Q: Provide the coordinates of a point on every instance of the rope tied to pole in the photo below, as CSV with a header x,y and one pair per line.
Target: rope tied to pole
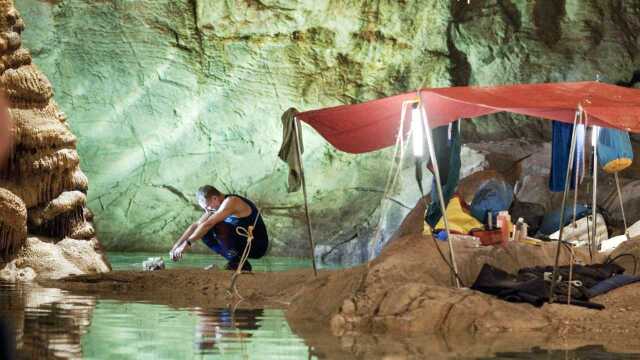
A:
x,y
248,233
567,180
571,260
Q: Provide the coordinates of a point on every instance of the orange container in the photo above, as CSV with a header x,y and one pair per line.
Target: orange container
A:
x,y
488,237
504,223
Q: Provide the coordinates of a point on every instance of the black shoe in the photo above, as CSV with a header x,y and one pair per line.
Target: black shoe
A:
x,y
233,265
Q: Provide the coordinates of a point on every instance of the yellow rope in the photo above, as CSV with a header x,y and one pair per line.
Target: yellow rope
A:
x,y
248,233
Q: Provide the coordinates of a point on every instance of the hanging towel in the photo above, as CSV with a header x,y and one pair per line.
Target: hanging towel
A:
x,y
614,150
447,152
288,151
560,146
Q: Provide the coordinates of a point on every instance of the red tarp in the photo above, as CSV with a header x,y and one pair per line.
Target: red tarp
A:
x,y
374,125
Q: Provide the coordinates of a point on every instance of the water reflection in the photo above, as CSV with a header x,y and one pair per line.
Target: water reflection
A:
x,y
225,326
44,322
594,352
50,323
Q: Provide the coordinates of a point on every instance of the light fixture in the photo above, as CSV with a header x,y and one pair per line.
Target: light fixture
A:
x,y
594,135
417,133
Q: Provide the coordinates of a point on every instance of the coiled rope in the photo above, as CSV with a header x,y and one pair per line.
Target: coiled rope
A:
x,y
248,233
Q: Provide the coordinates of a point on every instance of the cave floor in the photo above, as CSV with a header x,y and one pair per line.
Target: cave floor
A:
x,y
617,328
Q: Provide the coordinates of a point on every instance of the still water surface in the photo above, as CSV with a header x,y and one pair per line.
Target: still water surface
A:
x,y
54,324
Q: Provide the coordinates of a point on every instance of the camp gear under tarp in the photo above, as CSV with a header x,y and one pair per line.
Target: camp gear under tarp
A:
x,y
578,234
492,197
532,214
615,282
531,285
614,150
608,245
374,124
460,221
560,141
551,220
448,154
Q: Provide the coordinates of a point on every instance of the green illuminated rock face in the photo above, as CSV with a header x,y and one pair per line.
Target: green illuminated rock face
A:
x,y
168,95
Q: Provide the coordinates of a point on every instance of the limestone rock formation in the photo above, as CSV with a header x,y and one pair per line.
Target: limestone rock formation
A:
x,y
42,189
41,257
13,223
182,93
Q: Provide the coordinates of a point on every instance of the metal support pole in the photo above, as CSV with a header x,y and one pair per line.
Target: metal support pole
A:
x,y
304,191
593,245
567,180
624,218
575,182
443,206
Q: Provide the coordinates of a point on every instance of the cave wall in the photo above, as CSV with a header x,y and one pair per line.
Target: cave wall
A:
x,y
165,96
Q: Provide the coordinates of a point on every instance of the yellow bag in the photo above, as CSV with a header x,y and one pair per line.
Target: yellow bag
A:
x,y
459,220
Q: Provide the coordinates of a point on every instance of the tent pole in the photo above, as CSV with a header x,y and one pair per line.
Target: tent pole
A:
x,y
577,178
567,180
304,191
624,218
443,206
594,206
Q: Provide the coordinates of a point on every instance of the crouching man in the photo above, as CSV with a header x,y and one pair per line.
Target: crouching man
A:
x,y
223,228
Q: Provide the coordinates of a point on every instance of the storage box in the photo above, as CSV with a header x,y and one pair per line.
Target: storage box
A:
x,y
488,237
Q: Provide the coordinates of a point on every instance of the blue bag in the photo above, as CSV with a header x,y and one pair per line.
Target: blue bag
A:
x,y
614,150
551,220
494,196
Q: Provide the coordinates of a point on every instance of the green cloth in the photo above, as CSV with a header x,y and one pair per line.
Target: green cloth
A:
x,y
448,157
288,150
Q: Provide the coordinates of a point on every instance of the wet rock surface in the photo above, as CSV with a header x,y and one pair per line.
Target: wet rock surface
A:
x,y
45,259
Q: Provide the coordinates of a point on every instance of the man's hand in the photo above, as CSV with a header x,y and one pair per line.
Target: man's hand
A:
x,y
176,252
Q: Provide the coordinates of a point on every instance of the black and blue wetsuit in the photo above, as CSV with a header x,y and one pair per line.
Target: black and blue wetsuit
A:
x,y
231,248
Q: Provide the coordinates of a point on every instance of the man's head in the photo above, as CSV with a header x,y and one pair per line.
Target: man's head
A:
x,y
209,198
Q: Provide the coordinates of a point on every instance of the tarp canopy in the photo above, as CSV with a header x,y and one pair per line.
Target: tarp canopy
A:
x,y
374,124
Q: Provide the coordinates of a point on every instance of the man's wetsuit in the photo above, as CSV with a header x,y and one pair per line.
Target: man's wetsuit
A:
x,y
232,246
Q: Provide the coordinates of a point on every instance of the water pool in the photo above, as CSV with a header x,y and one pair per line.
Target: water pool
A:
x,y
133,261
53,324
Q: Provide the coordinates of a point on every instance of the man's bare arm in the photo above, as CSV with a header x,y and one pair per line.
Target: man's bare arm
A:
x,y
191,229
230,206
217,217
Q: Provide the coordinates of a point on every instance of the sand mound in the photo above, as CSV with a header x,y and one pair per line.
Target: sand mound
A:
x,y
408,289
402,305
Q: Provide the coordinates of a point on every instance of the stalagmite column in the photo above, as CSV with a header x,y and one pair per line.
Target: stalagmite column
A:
x,y
13,223
42,189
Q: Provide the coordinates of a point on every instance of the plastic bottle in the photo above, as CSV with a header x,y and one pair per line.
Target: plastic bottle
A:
x,y
504,223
